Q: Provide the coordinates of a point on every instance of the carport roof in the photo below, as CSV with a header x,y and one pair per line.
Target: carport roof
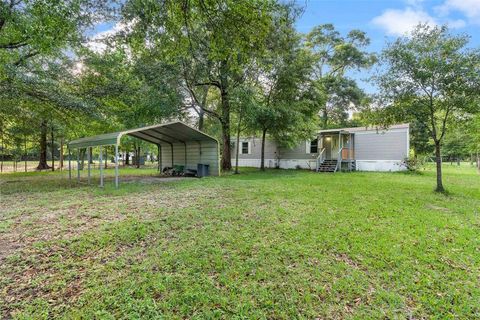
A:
x,y
172,132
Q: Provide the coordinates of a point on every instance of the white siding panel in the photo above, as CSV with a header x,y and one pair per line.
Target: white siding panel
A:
x,y
380,165
389,145
272,163
255,163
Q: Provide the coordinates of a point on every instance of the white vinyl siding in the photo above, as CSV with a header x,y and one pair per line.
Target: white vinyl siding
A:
x,y
389,145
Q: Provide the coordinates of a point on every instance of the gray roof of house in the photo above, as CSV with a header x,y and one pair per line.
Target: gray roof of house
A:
x,y
357,129
172,132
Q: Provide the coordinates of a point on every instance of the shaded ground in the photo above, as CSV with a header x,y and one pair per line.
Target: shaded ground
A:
x,y
280,244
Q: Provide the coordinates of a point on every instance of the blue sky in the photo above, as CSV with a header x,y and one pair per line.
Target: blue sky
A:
x,y
384,20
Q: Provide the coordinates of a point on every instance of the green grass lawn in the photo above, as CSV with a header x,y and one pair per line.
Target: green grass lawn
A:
x,y
280,244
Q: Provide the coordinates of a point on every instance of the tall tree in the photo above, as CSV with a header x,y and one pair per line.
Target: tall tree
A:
x,y
215,43
34,36
285,106
430,76
335,55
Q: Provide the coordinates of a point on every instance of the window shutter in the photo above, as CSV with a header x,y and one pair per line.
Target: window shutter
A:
x,y
307,147
240,147
249,147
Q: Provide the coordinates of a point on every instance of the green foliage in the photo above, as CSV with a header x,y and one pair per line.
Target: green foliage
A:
x,y
334,55
216,44
285,104
430,77
342,94
420,139
42,28
36,78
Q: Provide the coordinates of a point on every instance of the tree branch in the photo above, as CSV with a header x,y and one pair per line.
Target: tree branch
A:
x,y
13,45
25,57
209,83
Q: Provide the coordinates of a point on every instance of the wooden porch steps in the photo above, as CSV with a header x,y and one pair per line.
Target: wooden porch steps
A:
x,y
328,166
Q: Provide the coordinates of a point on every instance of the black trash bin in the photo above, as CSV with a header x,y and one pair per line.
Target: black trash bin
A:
x,y
206,170
203,170
199,170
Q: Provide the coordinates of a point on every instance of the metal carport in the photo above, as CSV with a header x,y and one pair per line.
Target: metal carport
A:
x,y
178,144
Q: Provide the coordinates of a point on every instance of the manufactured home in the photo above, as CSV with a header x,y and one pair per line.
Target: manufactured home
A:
x,y
347,149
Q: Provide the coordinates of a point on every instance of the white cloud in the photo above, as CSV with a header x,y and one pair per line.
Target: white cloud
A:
x,y
470,8
400,22
98,43
456,24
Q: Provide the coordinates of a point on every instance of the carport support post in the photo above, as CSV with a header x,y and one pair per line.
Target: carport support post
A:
x,y
89,160
159,157
185,168
78,165
101,166
69,164
116,166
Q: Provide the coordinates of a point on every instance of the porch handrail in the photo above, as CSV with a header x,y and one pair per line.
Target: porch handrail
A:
x,y
320,158
339,159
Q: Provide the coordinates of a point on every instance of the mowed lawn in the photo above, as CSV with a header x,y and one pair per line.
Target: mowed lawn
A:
x,y
278,245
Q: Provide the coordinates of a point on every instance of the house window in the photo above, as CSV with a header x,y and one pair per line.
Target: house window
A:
x,y
245,147
314,146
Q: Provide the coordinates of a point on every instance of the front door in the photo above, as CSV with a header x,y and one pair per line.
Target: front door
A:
x,y
327,144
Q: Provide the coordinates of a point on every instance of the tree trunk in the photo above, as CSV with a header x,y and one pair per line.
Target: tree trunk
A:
x,y
226,161
61,154
25,150
127,157
325,118
438,159
262,157
42,164
201,118
106,157
201,112
1,146
82,151
138,157
90,151
52,148
237,151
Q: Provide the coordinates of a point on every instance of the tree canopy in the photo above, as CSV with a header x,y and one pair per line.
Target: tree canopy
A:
x,y
430,76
